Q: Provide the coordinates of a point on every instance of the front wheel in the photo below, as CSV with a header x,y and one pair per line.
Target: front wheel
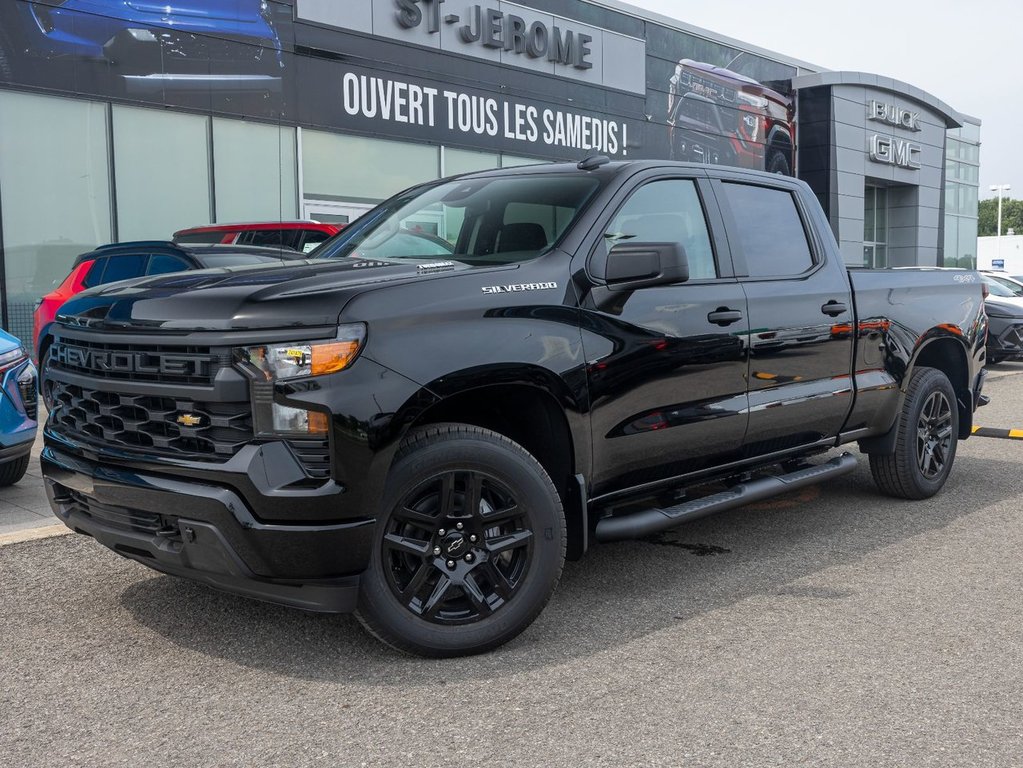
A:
x,y
925,447
12,471
470,544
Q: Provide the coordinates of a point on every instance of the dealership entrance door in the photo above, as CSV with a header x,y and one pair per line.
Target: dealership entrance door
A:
x,y
330,212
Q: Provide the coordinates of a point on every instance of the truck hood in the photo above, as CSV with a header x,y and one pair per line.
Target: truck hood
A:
x,y
310,293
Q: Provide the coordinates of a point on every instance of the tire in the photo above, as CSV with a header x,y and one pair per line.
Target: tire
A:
x,y
12,471
925,447
777,162
458,577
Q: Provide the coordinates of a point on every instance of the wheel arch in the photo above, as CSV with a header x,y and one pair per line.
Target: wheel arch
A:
x,y
945,351
535,417
948,354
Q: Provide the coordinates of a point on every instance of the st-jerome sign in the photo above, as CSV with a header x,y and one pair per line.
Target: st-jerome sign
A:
x,y
493,28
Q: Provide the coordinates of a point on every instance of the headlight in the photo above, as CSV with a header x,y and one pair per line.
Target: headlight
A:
x,y
281,362
12,358
1003,314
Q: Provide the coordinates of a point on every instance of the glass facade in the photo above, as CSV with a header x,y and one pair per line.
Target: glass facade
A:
x,y
55,193
962,184
875,227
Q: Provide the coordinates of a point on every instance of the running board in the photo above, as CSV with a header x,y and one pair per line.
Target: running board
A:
x,y
650,521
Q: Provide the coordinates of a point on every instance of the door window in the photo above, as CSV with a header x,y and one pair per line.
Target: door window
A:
x,y
769,229
667,211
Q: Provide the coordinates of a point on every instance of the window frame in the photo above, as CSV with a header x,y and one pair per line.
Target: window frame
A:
x,y
813,242
595,259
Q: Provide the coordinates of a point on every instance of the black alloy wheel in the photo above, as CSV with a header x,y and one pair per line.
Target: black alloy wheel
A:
x,y
934,434
927,434
458,547
470,544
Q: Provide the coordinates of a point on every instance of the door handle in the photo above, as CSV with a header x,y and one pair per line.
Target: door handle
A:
x,y
724,316
834,308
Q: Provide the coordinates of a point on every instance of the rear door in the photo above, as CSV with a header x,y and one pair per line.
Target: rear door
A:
x,y
800,308
666,365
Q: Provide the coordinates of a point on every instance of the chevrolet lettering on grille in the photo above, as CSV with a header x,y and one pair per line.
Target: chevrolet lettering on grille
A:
x,y
107,361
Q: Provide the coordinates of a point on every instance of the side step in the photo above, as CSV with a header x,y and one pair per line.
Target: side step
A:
x,y
653,520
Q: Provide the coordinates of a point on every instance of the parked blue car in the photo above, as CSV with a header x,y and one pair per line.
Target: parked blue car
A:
x,y
19,403
151,46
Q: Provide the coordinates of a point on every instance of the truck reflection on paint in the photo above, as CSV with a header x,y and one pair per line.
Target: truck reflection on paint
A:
x,y
720,117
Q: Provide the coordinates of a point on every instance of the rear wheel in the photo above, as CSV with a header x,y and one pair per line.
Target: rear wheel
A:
x,y
778,162
470,544
928,433
13,471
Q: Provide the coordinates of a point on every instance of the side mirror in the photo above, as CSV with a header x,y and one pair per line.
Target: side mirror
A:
x,y
642,265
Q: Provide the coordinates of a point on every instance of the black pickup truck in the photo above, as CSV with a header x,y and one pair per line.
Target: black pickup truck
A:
x,y
608,350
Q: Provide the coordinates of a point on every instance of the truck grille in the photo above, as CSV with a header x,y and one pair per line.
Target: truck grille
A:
x,y
314,456
171,426
1012,338
189,365
116,517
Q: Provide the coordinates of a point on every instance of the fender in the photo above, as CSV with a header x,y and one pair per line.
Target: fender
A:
x,y
885,443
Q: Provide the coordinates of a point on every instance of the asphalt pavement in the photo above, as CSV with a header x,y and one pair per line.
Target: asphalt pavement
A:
x,y
832,627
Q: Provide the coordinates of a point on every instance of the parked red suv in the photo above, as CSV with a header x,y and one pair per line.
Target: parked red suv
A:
x,y
302,236
124,261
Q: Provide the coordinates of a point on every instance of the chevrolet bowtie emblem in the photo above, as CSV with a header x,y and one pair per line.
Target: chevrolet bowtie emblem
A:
x,y
189,420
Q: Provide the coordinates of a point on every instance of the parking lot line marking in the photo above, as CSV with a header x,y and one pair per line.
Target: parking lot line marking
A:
x,y
33,534
1004,434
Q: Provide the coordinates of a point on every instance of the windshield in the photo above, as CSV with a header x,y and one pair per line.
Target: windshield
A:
x,y
485,221
1004,288
210,260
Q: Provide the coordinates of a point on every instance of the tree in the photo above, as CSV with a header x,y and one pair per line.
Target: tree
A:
x,y
1012,217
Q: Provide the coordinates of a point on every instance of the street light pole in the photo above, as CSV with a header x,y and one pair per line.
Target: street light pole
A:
x,y
1000,189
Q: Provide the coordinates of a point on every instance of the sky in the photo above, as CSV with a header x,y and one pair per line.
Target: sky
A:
x,y
964,53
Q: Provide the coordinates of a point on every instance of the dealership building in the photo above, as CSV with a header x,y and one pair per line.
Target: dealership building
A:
x,y
129,121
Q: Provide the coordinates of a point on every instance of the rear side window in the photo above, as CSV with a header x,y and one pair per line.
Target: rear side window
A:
x,y
201,238
270,238
162,264
95,276
770,230
125,267
313,240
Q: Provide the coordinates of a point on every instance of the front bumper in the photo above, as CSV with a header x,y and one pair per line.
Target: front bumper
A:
x,y
175,60
205,532
1005,337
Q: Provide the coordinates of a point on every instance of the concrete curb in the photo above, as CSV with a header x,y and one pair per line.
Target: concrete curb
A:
x,y
34,534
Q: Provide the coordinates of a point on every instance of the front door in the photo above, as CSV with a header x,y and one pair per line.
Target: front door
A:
x,y
666,365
